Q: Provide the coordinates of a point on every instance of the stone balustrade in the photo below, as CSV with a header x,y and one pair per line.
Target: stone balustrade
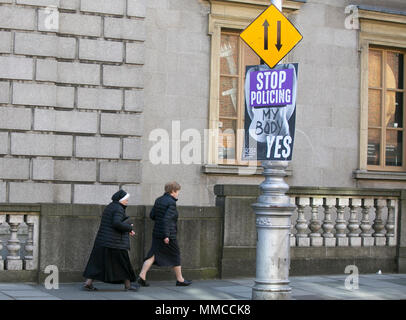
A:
x,y
343,221
330,229
19,235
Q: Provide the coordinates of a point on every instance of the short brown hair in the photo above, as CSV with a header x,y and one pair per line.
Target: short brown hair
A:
x,y
172,186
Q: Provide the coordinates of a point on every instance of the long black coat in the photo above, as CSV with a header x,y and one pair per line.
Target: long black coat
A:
x,y
166,217
114,230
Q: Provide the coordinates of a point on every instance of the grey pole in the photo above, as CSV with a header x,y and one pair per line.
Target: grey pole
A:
x,y
273,212
277,3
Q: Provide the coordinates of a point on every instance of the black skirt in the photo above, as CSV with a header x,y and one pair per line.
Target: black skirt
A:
x,y
109,265
166,255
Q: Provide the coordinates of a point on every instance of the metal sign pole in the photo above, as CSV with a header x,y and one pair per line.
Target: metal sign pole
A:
x,y
273,212
277,3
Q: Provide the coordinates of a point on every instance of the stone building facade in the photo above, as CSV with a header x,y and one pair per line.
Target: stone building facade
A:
x,y
84,84
97,95
72,87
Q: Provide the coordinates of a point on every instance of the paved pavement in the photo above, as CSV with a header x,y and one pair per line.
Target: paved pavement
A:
x,y
328,287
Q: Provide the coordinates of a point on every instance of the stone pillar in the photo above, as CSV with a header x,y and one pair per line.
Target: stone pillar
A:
x,y
353,225
341,226
315,225
390,223
14,261
401,229
366,237
292,227
302,237
29,263
328,226
379,226
273,212
2,220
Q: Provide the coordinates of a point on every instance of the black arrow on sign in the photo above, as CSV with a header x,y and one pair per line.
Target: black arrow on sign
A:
x,y
278,44
266,25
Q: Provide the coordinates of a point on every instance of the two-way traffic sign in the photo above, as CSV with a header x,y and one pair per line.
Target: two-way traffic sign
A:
x,y
271,35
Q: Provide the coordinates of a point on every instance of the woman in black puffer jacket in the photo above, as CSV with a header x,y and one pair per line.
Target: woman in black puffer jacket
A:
x,y
164,249
109,261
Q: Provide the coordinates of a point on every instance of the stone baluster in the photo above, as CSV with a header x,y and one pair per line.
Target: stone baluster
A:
x,y
328,226
29,245
2,220
366,237
301,223
292,226
390,223
13,261
379,226
341,226
315,225
353,223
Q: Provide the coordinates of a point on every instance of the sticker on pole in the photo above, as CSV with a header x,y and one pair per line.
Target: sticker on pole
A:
x,y
270,112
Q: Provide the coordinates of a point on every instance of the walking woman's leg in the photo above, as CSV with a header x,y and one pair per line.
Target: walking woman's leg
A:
x,y
178,273
145,267
129,287
89,285
127,283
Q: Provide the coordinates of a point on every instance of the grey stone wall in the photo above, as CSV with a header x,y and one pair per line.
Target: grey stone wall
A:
x,y
79,100
67,233
239,250
177,71
215,242
327,113
177,63
71,100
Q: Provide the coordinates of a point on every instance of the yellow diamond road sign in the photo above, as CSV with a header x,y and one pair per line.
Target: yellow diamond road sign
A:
x,y
271,35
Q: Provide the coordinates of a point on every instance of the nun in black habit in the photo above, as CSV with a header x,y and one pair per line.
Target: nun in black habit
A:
x,y
109,261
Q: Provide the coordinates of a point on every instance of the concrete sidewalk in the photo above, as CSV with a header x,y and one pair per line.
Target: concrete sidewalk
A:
x,y
329,287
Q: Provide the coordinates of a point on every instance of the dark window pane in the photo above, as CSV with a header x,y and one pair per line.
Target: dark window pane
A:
x,y
227,139
374,145
394,109
401,71
393,150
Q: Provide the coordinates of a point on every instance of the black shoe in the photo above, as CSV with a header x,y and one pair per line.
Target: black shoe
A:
x,y
141,282
185,283
90,287
134,287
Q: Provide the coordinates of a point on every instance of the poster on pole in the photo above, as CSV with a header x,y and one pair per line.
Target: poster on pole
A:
x,y
270,112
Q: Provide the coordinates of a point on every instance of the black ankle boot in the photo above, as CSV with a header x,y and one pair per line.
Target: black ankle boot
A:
x,y
184,283
142,282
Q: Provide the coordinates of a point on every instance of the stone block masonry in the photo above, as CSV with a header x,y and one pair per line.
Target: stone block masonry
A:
x,y
71,99
44,45
104,6
17,18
